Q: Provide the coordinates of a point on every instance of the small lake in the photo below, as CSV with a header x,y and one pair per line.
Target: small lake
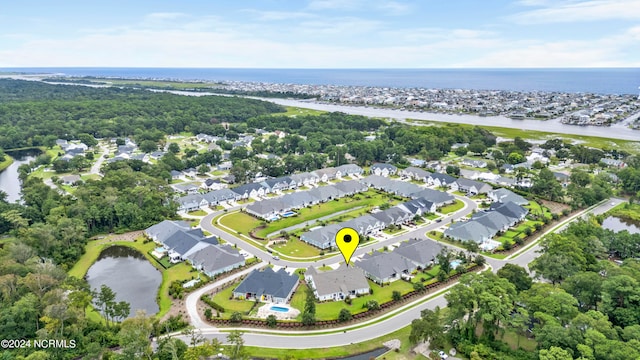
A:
x,y
616,224
9,181
130,275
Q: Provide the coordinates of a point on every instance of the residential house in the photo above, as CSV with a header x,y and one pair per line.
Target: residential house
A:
x,y
186,188
440,180
383,169
191,202
471,187
190,172
419,206
421,252
348,170
326,174
337,284
225,165
70,179
267,286
175,175
305,179
324,237
216,259
504,196
613,162
416,173
474,163
385,267
253,190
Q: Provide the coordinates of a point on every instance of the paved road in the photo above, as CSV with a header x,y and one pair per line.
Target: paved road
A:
x,y
400,319
95,168
554,126
415,233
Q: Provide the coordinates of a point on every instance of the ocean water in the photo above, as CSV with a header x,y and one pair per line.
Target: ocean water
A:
x,y
573,80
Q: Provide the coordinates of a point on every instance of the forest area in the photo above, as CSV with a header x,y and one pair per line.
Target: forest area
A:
x,y
586,307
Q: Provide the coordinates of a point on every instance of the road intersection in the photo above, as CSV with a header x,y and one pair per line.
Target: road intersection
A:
x,y
360,332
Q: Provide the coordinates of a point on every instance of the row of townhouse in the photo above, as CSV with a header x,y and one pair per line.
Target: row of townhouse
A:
x,y
324,237
268,208
484,225
409,190
181,242
194,200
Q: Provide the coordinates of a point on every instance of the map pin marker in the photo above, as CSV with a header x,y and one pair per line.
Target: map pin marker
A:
x,y
347,241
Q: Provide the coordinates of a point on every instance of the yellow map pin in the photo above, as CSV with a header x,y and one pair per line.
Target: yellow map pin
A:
x,y
347,241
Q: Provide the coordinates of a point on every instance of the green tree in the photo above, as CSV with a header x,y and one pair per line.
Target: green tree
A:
x,y
236,346
396,296
148,146
134,336
236,317
516,275
555,353
272,321
173,148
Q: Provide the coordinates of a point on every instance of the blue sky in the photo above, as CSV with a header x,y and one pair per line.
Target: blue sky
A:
x,y
321,33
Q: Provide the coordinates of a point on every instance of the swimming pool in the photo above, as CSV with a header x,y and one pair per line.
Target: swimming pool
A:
x,y
279,309
160,249
288,214
274,218
455,263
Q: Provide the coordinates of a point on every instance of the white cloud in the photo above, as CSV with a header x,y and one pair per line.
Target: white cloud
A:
x,y
580,11
335,4
394,7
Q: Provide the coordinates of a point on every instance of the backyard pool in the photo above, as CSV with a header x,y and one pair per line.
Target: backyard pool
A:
x,y
455,263
279,309
274,218
288,214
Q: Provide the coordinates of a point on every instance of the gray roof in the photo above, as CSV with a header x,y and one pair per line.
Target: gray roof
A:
x,y
247,188
503,195
342,279
493,220
444,178
421,252
349,169
469,231
511,209
480,186
161,231
385,264
214,258
416,172
383,166
351,186
435,196
268,282
323,237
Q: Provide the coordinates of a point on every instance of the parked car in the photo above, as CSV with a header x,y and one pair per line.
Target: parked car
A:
x,y
443,355
276,257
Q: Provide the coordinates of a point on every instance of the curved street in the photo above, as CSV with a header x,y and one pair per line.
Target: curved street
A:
x,y
360,332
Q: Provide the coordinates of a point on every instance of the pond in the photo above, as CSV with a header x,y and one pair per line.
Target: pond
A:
x,y
130,275
9,181
617,224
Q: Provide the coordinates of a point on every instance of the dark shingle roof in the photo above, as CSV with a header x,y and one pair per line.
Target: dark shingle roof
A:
x,y
268,282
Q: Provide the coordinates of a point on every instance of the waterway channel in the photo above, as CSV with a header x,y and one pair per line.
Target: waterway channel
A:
x,y
9,181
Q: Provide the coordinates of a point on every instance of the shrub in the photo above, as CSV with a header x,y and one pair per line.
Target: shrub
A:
x,y
208,314
207,300
396,296
236,317
272,321
344,315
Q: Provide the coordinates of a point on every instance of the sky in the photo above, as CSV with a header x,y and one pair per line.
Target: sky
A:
x,y
320,33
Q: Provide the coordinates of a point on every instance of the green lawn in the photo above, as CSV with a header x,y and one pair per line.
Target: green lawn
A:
x,y
329,310
8,160
297,248
239,221
459,204
366,199
181,271
197,213
537,209
295,111
223,298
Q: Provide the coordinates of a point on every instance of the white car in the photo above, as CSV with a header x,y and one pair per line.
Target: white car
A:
x,y
443,355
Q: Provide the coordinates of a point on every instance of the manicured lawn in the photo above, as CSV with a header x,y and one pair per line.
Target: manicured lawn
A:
x,y
90,177
537,209
295,111
198,213
452,207
223,298
626,211
431,216
329,310
297,248
239,221
368,198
